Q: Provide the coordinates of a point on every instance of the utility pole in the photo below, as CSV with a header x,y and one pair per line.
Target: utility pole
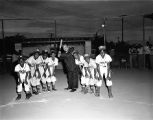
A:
x,y
122,29
50,38
3,38
122,18
143,32
143,29
2,22
3,45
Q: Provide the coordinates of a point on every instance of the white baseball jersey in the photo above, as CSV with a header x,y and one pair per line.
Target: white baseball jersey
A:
x,y
42,67
33,62
81,61
102,62
91,65
22,70
44,63
53,62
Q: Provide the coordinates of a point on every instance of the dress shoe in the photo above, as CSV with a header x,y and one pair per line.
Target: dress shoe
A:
x,y
73,90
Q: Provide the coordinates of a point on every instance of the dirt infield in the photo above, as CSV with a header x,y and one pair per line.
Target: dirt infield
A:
x,y
133,100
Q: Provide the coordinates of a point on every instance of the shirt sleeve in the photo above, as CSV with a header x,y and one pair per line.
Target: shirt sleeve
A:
x,y
97,60
50,62
17,69
29,60
94,64
109,59
82,60
27,68
56,61
76,62
39,60
86,64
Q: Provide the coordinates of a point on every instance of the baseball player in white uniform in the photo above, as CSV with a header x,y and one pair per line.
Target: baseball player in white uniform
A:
x,y
103,67
22,70
79,60
52,66
34,62
90,72
44,71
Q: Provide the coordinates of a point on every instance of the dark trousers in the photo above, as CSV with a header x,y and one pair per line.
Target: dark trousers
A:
x,y
141,61
147,61
73,79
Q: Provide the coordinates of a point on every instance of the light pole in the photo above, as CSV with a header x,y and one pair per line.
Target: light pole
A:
x,y
50,38
104,31
122,18
103,28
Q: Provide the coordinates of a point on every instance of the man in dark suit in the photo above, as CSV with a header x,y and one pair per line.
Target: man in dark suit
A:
x,y
71,67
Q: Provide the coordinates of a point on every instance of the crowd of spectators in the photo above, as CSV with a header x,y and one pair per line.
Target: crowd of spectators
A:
x,y
132,55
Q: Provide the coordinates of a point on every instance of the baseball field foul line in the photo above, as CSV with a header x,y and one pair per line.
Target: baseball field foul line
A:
x,y
127,101
24,102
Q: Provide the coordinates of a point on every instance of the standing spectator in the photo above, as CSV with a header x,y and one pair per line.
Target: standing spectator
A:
x,y
151,56
112,53
130,57
140,56
147,55
135,57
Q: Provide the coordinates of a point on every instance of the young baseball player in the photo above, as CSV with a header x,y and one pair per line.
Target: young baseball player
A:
x,y
44,71
22,70
103,67
90,72
34,62
52,66
79,60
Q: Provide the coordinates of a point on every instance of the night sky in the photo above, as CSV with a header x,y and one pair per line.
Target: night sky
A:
x,y
75,18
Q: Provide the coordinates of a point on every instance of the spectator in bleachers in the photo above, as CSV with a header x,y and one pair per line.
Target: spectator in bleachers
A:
x,y
147,52
140,56
151,56
130,57
135,56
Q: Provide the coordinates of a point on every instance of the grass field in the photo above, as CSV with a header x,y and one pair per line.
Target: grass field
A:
x,y
133,100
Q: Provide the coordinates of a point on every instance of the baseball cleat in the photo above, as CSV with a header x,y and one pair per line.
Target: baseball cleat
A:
x,y
18,97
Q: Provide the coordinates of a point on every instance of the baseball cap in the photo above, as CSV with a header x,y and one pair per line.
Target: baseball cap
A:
x,y
37,51
86,55
45,52
52,51
102,47
76,52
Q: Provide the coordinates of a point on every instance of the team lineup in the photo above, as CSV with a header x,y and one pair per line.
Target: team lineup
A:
x,y
37,73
